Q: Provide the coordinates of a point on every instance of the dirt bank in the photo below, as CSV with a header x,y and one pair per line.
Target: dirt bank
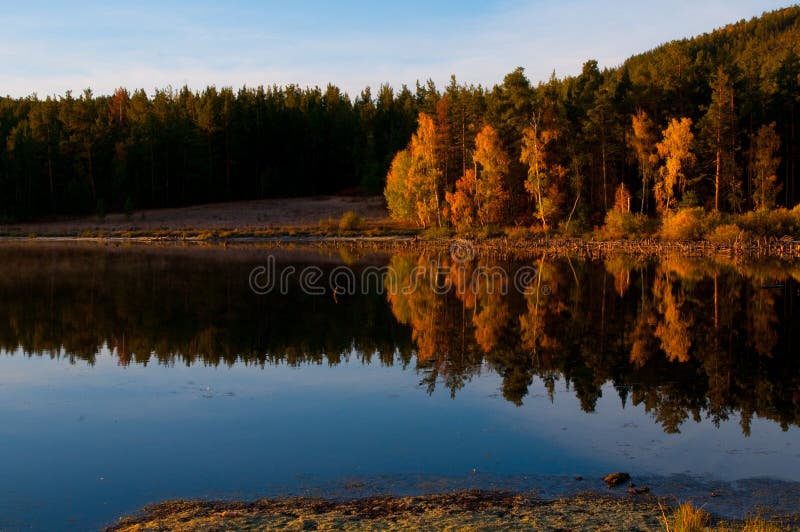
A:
x,y
257,215
469,510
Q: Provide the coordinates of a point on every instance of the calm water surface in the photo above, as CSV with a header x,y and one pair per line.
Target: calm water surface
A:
x,y
130,375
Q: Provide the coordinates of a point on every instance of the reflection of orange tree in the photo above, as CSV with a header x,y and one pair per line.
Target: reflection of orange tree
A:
x,y
762,320
642,336
619,266
438,323
740,356
664,376
541,310
431,316
731,373
673,326
542,314
415,303
493,313
490,321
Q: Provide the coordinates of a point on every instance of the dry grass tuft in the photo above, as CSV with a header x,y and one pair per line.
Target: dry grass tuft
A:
x,y
686,518
351,221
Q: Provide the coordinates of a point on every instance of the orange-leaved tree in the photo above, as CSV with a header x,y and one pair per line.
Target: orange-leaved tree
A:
x,y
490,191
544,177
622,199
413,183
675,149
396,191
643,142
461,202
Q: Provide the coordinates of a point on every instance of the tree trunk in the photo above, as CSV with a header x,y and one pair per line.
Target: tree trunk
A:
x,y
644,188
716,181
463,143
91,170
605,180
227,164
50,172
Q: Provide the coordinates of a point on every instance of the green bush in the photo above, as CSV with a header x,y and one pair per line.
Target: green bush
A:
x,y
351,221
726,234
777,223
517,233
686,224
488,231
689,200
621,224
437,232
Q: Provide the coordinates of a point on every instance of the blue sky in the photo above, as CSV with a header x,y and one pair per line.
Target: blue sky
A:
x,y
49,47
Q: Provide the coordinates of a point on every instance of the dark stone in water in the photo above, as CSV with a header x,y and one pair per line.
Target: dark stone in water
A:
x,y
615,479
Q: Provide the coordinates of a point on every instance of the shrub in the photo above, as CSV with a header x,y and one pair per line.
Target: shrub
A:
x,y
517,233
755,524
437,232
726,234
686,224
488,231
351,221
689,200
777,223
687,518
621,224
464,230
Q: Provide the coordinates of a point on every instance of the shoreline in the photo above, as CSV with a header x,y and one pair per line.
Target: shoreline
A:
x,y
787,249
470,509
364,222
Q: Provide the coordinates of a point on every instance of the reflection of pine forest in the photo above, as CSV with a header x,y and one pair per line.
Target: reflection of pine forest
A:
x,y
685,337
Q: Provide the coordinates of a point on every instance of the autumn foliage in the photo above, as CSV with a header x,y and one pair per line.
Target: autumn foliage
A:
x,y
413,183
704,124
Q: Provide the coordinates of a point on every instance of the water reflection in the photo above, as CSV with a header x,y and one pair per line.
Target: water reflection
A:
x,y
684,337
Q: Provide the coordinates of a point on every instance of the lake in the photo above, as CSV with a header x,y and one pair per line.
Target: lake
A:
x,y
131,374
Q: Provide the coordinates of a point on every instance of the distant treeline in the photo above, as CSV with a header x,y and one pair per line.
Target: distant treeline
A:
x,y
132,150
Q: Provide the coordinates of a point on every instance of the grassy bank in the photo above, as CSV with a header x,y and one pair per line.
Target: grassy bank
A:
x,y
498,247
364,219
472,510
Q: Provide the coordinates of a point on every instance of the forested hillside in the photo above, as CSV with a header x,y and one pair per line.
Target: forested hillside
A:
x,y
703,124
708,121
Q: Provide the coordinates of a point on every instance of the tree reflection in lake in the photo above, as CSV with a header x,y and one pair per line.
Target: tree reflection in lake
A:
x,y
684,337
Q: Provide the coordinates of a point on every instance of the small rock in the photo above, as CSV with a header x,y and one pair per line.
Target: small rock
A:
x,y
579,478
615,479
639,491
